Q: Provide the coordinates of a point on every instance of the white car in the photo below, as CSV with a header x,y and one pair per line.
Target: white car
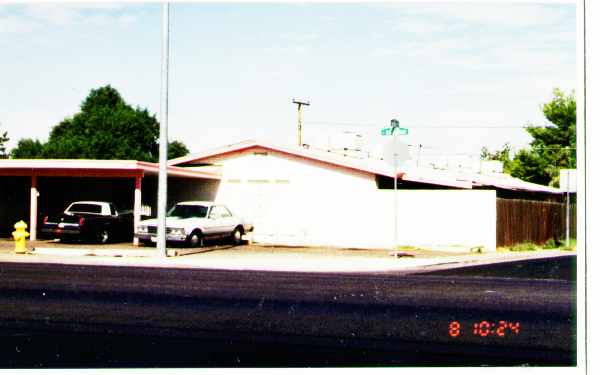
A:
x,y
191,223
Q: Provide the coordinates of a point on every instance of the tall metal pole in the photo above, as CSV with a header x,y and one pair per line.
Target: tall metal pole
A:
x,y
395,191
568,207
300,104
161,244
395,126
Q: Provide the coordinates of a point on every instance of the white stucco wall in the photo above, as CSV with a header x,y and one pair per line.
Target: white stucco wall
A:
x,y
293,201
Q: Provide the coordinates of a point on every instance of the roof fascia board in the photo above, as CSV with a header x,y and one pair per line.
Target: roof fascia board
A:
x,y
70,172
92,168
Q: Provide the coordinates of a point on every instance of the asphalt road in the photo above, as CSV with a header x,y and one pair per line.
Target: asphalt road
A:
x,y
93,316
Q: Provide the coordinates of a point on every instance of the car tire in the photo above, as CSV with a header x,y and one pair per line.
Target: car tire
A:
x,y
195,239
103,236
236,236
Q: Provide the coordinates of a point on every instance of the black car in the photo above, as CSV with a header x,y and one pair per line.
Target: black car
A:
x,y
90,221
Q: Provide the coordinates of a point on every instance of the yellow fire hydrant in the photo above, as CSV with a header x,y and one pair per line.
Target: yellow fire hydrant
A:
x,y
20,234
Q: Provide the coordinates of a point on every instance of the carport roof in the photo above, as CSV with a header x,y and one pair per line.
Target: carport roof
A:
x,y
93,168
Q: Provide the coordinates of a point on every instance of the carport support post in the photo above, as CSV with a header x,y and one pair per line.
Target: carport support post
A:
x,y
137,207
33,209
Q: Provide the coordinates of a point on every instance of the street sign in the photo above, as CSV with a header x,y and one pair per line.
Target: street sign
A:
x,y
393,131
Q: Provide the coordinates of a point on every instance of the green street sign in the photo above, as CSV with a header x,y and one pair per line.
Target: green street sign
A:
x,y
390,131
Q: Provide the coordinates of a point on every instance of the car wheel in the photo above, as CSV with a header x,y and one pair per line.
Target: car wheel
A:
x,y
236,236
103,236
195,239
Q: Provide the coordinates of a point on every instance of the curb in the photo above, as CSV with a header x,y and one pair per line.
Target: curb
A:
x,y
92,252
484,262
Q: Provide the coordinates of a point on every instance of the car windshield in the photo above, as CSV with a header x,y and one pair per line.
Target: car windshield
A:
x,y
187,211
86,208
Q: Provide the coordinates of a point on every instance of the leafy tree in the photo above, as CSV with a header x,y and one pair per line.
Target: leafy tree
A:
x,y
552,148
176,149
105,128
3,139
28,148
502,155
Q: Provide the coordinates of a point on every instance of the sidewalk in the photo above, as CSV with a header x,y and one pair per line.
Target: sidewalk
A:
x,y
263,258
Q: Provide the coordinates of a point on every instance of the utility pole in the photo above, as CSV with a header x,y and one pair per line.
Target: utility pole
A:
x,y
395,125
568,242
161,239
396,155
300,104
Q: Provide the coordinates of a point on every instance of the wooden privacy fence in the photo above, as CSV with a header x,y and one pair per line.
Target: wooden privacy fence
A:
x,y
519,220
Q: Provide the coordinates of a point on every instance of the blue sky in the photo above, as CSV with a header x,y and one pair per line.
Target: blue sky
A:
x,y
447,71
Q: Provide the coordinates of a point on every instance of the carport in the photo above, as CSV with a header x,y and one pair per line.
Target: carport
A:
x,y
52,184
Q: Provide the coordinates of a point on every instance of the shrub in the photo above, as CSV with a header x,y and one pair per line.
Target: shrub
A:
x,y
525,246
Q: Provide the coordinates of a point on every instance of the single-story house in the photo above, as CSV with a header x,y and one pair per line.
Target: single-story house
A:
x,y
299,196
303,196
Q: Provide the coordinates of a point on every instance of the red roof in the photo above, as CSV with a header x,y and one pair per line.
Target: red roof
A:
x,y
92,168
457,179
370,166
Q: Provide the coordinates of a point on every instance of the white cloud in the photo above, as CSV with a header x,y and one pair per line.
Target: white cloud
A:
x,y
422,25
299,37
439,34
31,17
126,19
15,24
99,19
52,14
491,14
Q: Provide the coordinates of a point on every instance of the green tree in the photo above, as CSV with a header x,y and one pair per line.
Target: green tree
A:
x,y
502,155
552,147
177,149
105,128
3,139
28,148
